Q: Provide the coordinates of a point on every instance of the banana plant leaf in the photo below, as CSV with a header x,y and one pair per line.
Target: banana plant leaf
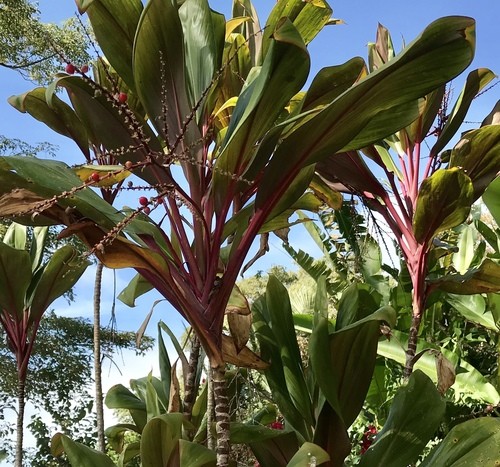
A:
x,y
415,415
468,379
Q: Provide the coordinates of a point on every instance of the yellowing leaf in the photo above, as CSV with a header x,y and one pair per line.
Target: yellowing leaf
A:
x,y
234,23
110,174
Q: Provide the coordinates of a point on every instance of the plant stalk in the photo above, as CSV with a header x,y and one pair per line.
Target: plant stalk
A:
x,y
189,385
21,388
222,417
101,442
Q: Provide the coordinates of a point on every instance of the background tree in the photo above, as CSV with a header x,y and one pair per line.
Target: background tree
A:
x,y
24,41
61,386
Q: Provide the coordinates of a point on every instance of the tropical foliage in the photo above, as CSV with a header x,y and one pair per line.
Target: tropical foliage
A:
x,y
207,122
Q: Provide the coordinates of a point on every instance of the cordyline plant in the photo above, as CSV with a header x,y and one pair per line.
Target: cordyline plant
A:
x,y
425,194
28,285
211,116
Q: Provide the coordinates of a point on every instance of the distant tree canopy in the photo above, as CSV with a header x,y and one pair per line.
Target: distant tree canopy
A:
x,y
36,49
60,377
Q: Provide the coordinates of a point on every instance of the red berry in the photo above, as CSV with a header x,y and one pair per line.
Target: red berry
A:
x,y
122,97
277,426
95,177
84,69
143,201
146,211
70,68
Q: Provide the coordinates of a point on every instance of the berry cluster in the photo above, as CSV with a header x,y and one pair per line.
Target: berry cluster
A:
x,y
368,438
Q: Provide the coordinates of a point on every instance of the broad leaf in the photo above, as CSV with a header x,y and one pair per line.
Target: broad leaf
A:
x,y
469,381
59,275
476,80
160,440
443,201
478,155
415,414
308,454
15,277
472,443
114,24
78,454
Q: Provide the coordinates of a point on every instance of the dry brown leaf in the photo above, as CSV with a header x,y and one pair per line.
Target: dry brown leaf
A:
x,y
245,358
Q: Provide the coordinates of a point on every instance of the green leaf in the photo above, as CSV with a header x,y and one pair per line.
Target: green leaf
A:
x,y
195,455
58,116
443,201
443,50
16,237
204,32
306,454
37,246
281,76
59,275
415,415
478,155
476,80
135,288
159,70
106,124
281,322
472,308
491,198
343,362
469,381
270,349
473,443
78,454
160,440
164,363
114,25
331,82
119,397
15,277
309,18
467,244
483,279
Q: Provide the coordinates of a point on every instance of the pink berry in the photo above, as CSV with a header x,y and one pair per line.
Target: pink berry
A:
x,y
146,211
143,201
129,165
84,69
70,69
95,177
122,97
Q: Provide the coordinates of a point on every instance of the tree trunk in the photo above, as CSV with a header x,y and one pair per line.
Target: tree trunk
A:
x,y
101,442
222,417
189,387
20,422
210,408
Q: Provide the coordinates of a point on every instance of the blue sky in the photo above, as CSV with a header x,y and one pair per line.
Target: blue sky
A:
x,y
334,45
